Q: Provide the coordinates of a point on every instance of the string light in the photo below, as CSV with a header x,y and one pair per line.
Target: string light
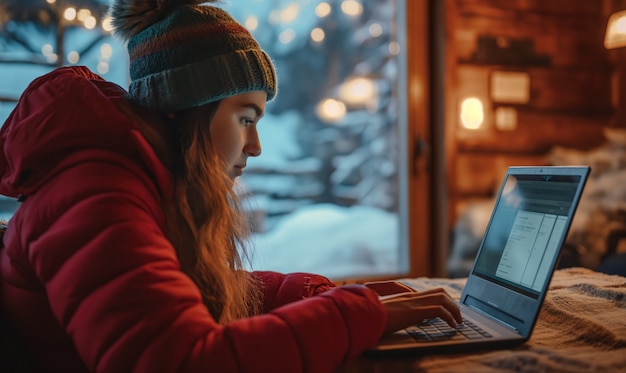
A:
x,y
358,91
290,13
46,49
322,9
331,110
393,48
90,22
318,35
375,30
351,7
83,14
70,14
107,24
252,23
287,36
106,50
73,57
103,67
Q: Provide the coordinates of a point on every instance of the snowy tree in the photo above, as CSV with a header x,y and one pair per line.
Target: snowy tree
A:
x,y
336,50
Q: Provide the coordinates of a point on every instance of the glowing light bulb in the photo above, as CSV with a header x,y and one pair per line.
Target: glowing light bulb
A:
x,y
106,50
472,113
318,35
358,91
322,9
331,110
90,22
290,13
351,7
73,57
70,14
252,23
106,24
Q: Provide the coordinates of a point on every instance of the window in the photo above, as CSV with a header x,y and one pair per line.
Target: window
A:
x,y
38,36
328,195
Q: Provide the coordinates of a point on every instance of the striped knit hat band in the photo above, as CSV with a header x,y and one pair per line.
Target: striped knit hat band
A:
x,y
196,55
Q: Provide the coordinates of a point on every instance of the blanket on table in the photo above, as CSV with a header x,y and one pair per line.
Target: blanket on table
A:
x,y
581,328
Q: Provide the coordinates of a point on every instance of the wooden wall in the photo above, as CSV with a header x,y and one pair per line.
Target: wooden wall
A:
x,y
572,94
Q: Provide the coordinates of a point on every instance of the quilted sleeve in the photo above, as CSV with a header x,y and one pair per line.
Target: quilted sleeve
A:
x,y
115,287
316,334
280,289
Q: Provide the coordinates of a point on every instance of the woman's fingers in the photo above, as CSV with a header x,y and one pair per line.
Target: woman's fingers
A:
x,y
452,314
412,308
445,301
417,294
431,312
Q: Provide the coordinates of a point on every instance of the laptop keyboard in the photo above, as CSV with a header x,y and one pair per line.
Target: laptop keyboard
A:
x,y
437,330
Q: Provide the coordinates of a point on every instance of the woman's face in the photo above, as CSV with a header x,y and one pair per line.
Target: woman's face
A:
x,y
233,130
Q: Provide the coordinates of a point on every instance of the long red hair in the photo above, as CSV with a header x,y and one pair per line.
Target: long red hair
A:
x,y
207,226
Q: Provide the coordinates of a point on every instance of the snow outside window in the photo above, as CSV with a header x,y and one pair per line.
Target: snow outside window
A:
x,y
328,193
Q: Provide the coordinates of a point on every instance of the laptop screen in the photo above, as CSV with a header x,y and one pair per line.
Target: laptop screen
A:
x,y
526,230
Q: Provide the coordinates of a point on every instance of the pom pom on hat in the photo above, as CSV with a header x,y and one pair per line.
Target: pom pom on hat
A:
x,y
184,55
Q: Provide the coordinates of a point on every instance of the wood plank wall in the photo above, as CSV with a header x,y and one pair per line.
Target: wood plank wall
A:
x,y
572,95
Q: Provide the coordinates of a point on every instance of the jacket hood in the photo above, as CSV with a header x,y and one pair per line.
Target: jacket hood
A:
x,y
65,111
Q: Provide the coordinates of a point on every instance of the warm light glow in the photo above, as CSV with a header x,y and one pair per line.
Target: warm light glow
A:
x,y
322,10
52,57
620,25
290,13
394,48
252,23
330,110
506,118
51,1
358,91
351,7
46,49
90,22
510,86
70,14
106,50
472,113
615,36
107,25
318,35
376,30
73,57
102,68
287,36
83,14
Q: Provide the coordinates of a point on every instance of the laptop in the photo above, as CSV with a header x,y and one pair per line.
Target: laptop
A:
x,y
512,270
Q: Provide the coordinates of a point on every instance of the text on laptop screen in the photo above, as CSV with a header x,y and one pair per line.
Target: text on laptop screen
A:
x,y
526,230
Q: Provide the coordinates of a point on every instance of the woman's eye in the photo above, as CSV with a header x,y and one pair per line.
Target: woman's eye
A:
x,y
247,121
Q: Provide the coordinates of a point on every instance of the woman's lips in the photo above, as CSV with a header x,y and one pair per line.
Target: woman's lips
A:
x,y
239,169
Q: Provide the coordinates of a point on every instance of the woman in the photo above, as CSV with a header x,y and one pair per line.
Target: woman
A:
x,y
126,252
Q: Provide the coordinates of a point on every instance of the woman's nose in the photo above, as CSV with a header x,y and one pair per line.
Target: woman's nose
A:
x,y
253,144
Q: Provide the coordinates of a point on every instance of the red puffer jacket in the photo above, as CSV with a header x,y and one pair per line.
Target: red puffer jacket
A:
x,y
88,280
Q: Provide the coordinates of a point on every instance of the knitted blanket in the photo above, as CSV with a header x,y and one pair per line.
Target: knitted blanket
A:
x,y
581,328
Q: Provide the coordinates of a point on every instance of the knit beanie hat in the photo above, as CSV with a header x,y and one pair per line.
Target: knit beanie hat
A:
x,y
184,55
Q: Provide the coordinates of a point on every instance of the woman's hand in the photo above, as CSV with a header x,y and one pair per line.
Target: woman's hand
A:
x,y
408,309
